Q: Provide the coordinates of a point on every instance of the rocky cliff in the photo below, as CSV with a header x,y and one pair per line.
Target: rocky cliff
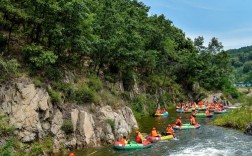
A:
x,y
34,117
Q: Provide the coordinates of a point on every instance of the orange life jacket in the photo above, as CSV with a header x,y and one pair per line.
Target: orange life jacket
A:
x,y
207,112
193,122
154,133
178,122
123,142
169,130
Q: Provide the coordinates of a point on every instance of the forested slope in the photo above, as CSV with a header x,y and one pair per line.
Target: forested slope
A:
x,y
241,60
110,41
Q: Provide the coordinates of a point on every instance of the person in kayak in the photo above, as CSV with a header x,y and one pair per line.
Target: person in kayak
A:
x,y
179,121
207,112
169,130
154,133
124,141
139,137
158,111
192,120
163,110
186,109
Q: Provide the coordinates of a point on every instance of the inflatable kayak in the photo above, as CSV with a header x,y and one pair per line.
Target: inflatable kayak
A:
x,y
220,112
154,139
186,126
201,108
164,114
203,115
180,110
189,111
132,145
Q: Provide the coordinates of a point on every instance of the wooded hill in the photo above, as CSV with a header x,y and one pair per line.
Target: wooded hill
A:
x,y
113,41
241,60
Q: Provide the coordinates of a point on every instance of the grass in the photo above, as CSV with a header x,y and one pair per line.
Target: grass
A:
x,y
238,119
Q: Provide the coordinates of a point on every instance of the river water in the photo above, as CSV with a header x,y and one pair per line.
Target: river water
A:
x,y
208,140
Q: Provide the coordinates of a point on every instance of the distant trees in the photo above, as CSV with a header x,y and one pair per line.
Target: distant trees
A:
x,y
241,61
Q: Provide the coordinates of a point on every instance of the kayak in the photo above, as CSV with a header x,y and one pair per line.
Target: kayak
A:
x,y
186,126
220,112
132,145
154,139
202,108
189,111
203,115
180,110
164,114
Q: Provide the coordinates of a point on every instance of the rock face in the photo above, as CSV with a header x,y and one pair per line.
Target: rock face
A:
x,y
249,129
34,117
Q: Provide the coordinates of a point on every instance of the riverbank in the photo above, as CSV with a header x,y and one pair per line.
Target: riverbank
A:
x,y
239,118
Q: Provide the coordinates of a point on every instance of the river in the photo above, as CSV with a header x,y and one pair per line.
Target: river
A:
x,y
207,140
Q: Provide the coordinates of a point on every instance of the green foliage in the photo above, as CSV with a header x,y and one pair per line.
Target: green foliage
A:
x,y
37,82
67,89
67,126
241,61
3,43
111,99
84,94
53,73
7,149
238,118
143,104
37,57
8,69
5,128
94,83
55,96
111,123
42,146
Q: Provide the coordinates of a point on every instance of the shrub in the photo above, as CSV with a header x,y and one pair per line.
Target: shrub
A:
x,y
67,89
85,94
8,69
38,57
67,126
7,149
95,83
55,96
3,42
53,73
37,82
41,147
5,128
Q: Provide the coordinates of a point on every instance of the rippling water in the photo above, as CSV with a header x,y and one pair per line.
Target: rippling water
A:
x,y
208,140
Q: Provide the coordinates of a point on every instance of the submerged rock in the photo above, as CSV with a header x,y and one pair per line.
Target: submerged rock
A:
x,y
249,129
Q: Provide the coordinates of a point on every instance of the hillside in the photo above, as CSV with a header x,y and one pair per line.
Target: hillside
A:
x,y
241,60
94,54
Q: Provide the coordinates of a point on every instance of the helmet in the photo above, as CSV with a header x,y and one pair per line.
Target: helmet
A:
x,y
71,154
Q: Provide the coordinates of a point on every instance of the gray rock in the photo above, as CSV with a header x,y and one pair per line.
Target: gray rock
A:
x,y
249,129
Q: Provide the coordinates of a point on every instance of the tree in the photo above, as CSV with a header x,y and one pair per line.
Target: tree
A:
x,y
199,43
215,46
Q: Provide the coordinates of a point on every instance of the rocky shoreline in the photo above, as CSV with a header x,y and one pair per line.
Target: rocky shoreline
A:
x,y
34,117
